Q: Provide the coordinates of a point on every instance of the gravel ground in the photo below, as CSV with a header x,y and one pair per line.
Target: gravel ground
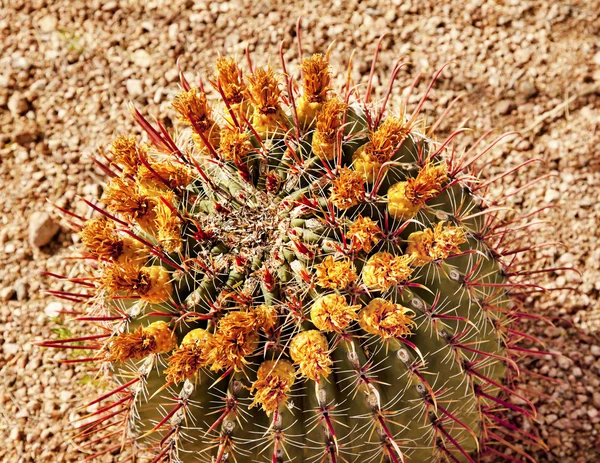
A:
x,y
69,68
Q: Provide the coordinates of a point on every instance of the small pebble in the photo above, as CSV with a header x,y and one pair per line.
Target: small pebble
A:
x,y
42,229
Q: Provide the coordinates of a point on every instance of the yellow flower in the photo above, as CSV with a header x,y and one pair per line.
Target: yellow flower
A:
x,y
124,197
381,147
229,77
363,234
156,338
329,121
335,274
266,317
347,189
168,228
386,319
100,237
151,284
127,154
174,174
235,144
264,93
274,379
316,81
332,313
309,350
384,270
316,78
405,199
433,244
236,337
194,110
190,356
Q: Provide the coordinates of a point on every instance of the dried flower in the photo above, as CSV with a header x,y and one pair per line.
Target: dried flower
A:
x,y
127,154
194,110
123,196
347,189
364,233
381,147
190,356
405,199
329,122
316,83
230,78
316,78
175,176
384,270
101,239
335,274
156,338
309,350
168,228
264,93
386,319
151,284
332,313
235,144
274,379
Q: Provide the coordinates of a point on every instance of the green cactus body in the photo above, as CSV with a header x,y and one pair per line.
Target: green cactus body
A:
x,y
268,224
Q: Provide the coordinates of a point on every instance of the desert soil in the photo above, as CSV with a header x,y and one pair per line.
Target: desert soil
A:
x,y
69,68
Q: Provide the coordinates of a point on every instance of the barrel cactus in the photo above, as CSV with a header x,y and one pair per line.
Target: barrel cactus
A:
x,y
299,275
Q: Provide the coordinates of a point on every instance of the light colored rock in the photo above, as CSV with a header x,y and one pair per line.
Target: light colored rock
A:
x,y
22,289
18,104
66,395
528,89
522,56
16,434
48,23
134,87
93,190
142,58
6,294
42,229
53,309
10,348
505,107
172,74
111,6
551,195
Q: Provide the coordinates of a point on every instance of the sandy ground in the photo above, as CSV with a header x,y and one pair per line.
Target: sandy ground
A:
x,y
69,68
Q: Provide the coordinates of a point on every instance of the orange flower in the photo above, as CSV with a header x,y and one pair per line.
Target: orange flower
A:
x,y
156,338
309,350
347,189
332,313
127,154
335,274
364,234
384,270
381,147
151,284
274,379
405,199
329,122
386,319
190,356
433,244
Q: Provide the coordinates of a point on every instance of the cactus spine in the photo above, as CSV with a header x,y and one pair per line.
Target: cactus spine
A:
x,y
299,278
